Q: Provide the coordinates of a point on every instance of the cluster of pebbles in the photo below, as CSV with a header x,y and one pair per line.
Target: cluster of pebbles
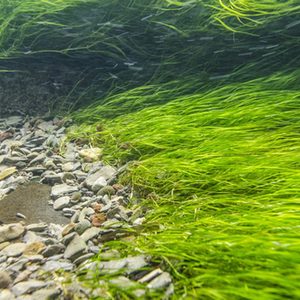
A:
x,y
36,258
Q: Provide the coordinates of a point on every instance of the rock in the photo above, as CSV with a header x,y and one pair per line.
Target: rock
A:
x,y
14,250
161,281
53,265
75,248
38,160
36,141
31,237
13,121
37,227
75,197
3,245
38,170
18,265
68,229
91,154
22,276
14,160
53,250
61,203
11,231
98,184
135,263
110,254
6,295
52,179
106,190
68,238
123,282
5,280
150,276
49,164
91,179
7,172
52,141
90,233
46,294
34,248
83,258
98,219
71,166
62,189
82,226
27,287
112,266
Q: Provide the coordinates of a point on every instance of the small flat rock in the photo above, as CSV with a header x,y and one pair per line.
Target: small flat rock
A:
x,y
61,203
83,258
14,250
6,295
68,229
3,245
71,166
91,154
43,294
112,266
75,248
90,233
5,280
27,287
150,275
11,231
52,179
53,265
62,190
98,184
82,226
107,172
135,263
7,172
53,250
34,248
37,227
13,121
123,282
160,281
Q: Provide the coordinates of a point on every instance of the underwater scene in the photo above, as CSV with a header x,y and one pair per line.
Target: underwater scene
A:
x,y
150,149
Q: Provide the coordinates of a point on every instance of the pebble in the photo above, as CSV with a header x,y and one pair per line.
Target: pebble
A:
x,y
75,248
14,250
11,232
62,189
82,226
5,280
90,233
61,203
160,281
27,287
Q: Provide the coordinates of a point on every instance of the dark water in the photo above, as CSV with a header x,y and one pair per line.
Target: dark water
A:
x,y
32,201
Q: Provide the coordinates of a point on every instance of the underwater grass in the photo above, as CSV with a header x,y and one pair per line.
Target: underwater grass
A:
x,y
219,172
202,98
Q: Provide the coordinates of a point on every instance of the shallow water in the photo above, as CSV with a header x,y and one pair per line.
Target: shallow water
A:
x,y
31,200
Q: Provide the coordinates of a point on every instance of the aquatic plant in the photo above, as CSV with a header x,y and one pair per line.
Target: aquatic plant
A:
x,y
202,99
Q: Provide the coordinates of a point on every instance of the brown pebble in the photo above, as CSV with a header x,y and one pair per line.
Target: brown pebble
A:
x,y
34,248
68,229
98,219
96,207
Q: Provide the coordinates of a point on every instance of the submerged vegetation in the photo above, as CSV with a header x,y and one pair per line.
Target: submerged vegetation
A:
x,y
202,99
